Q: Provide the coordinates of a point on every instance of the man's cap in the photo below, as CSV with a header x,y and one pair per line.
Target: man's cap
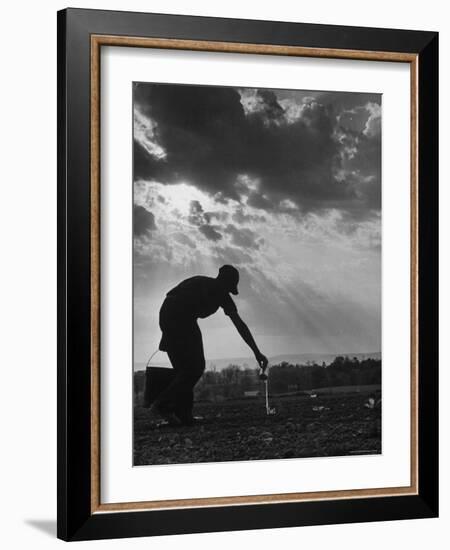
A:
x,y
230,275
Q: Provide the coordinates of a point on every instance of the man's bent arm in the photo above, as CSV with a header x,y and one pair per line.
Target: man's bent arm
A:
x,y
247,336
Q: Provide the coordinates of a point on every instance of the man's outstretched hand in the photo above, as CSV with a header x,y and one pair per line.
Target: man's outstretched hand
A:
x,y
262,361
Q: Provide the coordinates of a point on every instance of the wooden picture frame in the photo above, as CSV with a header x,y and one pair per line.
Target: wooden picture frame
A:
x,y
81,35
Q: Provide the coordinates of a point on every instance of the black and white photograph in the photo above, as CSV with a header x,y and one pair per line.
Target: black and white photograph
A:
x,y
257,273
224,280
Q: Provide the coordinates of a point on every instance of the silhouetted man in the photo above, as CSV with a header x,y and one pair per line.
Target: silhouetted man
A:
x,y
194,298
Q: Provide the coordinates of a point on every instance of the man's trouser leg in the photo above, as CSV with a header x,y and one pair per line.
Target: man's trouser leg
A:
x,y
188,360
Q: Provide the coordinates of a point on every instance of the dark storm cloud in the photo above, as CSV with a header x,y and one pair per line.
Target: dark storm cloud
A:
x,y
354,119
271,108
366,182
143,221
209,141
210,232
197,216
347,100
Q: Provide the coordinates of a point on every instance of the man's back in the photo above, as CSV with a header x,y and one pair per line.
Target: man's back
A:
x,y
201,296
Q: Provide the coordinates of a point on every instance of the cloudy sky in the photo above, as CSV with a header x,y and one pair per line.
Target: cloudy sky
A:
x,y
285,185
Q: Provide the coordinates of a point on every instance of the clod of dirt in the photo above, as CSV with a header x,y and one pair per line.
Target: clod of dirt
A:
x,y
312,426
267,437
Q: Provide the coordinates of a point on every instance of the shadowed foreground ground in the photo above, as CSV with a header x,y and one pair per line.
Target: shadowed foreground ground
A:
x,y
333,425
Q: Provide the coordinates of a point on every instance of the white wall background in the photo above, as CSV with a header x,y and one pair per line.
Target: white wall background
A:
x,y
28,274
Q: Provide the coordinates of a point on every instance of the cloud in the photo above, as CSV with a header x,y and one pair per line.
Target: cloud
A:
x,y
313,285
241,216
271,109
197,215
144,132
284,184
201,219
182,238
232,255
242,237
211,137
220,216
210,232
144,221
373,124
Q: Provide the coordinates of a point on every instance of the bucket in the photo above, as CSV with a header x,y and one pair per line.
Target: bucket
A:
x,y
156,380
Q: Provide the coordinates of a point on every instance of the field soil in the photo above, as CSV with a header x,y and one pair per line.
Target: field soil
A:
x,y
328,425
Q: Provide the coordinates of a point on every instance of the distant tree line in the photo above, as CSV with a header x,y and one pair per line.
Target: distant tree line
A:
x,y
343,371
234,381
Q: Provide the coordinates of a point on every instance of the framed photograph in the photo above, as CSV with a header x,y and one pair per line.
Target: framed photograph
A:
x,y
247,256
